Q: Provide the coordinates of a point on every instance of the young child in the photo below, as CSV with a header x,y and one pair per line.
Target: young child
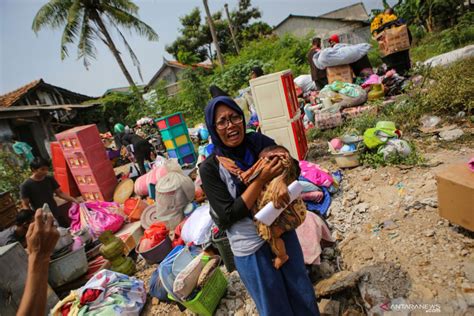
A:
x,y
293,215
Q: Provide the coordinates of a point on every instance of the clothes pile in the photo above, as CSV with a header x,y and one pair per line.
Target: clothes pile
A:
x,y
318,185
106,293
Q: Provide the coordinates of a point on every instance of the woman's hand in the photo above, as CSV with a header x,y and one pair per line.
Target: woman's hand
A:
x,y
272,168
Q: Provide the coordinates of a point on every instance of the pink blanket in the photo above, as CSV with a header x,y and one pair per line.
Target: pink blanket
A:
x,y
315,174
310,234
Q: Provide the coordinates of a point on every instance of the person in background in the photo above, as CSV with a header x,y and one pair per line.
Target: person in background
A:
x,y
333,40
41,239
40,188
256,72
400,61
17,232
318,75
23,149
140,147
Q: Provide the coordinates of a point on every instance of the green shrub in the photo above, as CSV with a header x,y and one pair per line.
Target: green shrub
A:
x,y
374,54
450,89
433,44
272,54
13,172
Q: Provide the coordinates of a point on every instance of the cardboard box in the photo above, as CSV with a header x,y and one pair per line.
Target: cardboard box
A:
x,y
342,73
456,195
393,40
130,233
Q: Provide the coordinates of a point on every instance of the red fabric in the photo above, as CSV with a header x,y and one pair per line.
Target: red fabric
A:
x,y
65,309
177,234
155,234
334,38
90,295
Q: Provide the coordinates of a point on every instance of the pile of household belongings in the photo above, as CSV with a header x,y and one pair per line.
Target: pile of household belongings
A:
x,y
336,101
191,277
340,101
385,139
106,293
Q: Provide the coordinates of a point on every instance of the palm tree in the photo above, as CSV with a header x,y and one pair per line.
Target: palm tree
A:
x,y
85,21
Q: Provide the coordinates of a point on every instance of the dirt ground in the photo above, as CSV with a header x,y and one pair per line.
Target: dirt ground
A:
x,y
395,252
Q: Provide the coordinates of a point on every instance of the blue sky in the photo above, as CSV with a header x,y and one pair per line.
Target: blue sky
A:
x,y
25,56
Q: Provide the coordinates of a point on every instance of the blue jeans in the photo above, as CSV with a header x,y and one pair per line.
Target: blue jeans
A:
x,y
287,291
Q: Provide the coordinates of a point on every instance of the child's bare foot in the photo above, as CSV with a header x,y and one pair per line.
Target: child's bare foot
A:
x,y
278,262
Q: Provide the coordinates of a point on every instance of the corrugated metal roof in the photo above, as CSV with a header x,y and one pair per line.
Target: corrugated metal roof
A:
x,y
47,107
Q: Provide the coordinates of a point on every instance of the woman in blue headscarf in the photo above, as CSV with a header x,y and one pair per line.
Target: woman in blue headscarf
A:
x,y
288,290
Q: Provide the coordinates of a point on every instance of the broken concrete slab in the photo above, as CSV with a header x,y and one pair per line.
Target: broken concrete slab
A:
x,y
382,282
329,307
338,282
451,134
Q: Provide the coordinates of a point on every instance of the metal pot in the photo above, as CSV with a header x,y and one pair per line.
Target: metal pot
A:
x,y
65,239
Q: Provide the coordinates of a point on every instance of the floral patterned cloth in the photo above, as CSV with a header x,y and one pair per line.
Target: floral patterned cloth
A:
x,y
120,295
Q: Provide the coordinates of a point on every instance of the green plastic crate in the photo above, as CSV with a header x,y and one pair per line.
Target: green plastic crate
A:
x,y
174,131
206,301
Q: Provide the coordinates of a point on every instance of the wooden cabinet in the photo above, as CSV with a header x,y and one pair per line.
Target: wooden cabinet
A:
x,y
8,210
278,111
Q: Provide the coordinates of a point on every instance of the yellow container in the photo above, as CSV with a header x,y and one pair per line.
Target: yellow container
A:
x,y
181,140
169,144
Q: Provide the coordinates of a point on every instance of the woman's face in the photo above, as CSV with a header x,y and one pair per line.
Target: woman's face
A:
x,y
233,134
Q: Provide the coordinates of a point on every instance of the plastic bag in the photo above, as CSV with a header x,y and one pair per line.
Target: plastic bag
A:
x,y
154,235
96,216
158,171
305,83
395,147
340,54
166,272
197,228
157,289
174,192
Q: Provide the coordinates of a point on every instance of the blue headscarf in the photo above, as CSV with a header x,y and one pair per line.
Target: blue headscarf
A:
x,y
246,154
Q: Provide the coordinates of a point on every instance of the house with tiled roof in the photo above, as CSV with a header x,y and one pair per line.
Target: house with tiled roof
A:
x,y
171,72
34,112
351,23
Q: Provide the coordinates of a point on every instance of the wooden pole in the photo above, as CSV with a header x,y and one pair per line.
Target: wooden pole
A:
x,y
231,27
213,33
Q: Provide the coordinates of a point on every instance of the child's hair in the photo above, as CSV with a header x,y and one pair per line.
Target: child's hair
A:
x,y
24,216
272,148
38,162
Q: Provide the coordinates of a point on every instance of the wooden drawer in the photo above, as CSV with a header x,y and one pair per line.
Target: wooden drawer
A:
x,y
7,217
